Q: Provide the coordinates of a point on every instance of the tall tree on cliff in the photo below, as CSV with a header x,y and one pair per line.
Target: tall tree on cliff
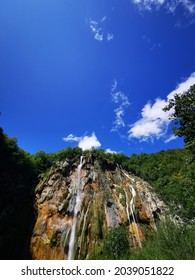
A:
x,y
184,117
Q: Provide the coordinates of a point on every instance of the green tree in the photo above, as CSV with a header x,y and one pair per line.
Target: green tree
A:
x,y
184,116
42,162
17,181
117,243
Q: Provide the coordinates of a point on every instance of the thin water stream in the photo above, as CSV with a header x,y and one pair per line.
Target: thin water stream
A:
x,y
76,211
132,207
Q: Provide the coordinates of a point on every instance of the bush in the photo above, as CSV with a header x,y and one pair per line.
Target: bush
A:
x,y
117,243
170,242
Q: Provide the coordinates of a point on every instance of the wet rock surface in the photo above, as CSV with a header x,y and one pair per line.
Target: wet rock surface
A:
x,y
78,203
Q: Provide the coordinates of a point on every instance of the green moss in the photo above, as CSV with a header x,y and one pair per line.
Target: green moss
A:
x,y
121,193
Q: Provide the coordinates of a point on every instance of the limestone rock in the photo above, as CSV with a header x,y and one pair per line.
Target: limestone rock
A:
x,y
79,202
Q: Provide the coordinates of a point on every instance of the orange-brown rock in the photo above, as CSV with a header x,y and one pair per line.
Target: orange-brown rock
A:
x,y
78,202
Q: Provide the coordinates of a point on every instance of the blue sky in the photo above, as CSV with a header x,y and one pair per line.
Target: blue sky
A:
x,y
94,72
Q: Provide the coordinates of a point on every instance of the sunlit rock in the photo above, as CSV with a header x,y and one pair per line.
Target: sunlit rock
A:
x,y
78,203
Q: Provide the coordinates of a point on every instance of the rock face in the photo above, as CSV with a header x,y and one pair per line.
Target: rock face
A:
x,y
78,202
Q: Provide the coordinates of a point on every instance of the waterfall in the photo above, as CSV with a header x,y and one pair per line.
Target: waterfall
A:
x,y
65,237
132,206
76,211
128,215
127,206
83,229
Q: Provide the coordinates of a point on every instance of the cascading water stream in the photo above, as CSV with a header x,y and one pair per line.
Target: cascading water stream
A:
x,y
127,206
76,211
83,228
128,214
132,206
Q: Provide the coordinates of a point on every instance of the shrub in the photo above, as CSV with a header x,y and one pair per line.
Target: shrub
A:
x,y
117,243
170,242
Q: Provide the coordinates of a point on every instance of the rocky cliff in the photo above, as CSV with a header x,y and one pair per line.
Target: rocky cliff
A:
x,y
80,200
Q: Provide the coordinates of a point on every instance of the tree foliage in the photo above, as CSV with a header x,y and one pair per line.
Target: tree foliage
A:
x,y
17,179
184,116
117,243
171,175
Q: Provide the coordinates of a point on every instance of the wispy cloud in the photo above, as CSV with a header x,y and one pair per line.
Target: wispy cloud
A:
x,y
110,37
188,5
170,5
84,142
171,138
181,24
148,4
119,98
154,121
72,138
98,30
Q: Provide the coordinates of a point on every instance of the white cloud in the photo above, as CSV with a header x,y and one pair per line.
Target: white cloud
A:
x,y
145,129
97,29
189,5
155,112
121,99
171,138
148,4
71,137
110,37
103,19
119,122
84,142
89,142
154,122
110,151
98,36
170,5
184,86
